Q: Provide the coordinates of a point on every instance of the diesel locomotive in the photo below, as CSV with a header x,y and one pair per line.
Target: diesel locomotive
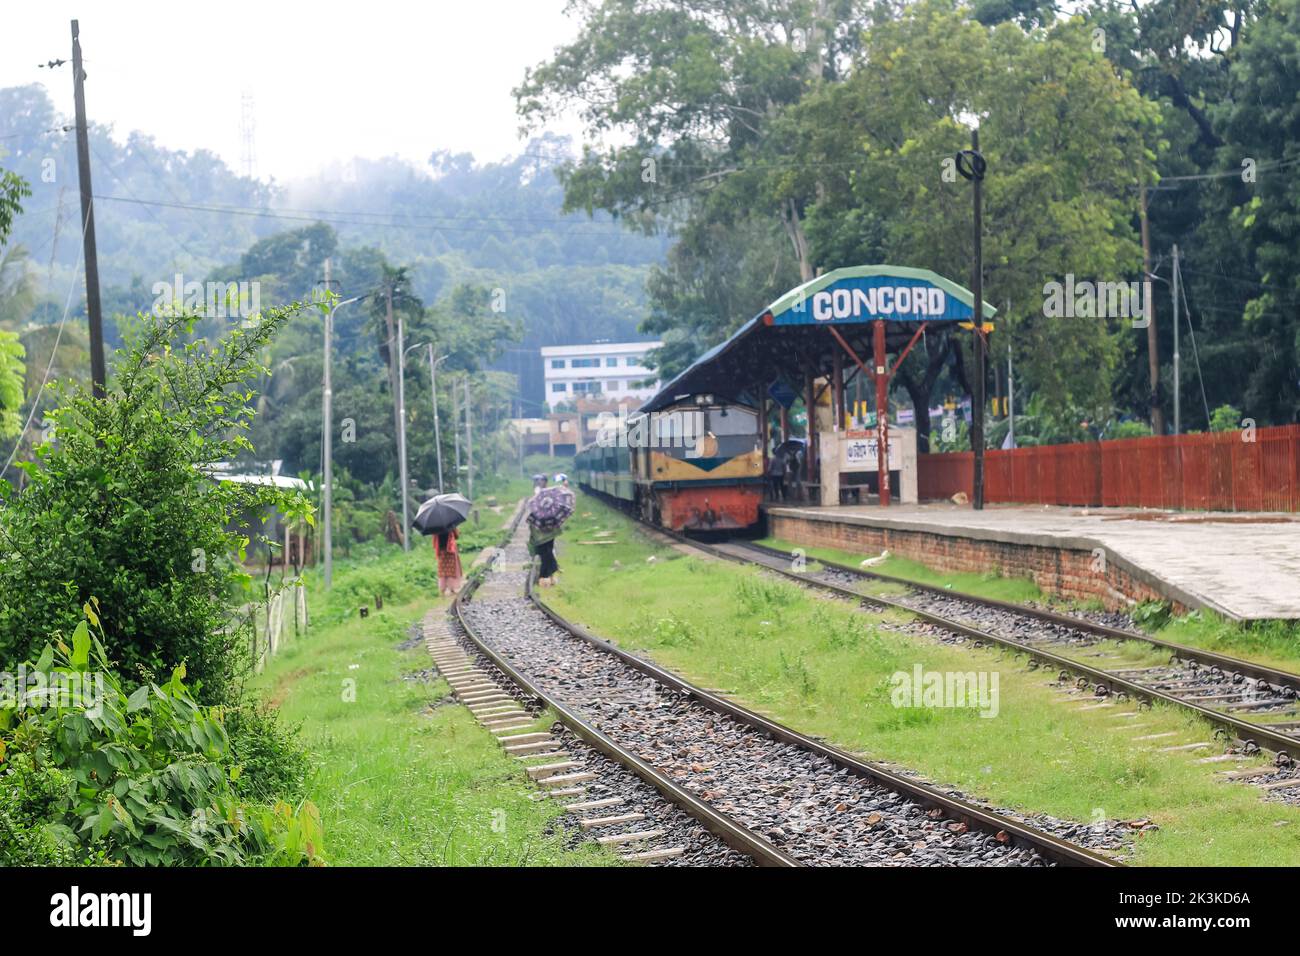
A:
x,y
694,465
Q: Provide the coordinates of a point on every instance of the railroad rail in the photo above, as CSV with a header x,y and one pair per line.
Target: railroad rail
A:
x,y
558,768
776,795
1193,680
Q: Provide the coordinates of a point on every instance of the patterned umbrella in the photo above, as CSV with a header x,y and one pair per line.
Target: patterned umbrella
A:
x,y
550,507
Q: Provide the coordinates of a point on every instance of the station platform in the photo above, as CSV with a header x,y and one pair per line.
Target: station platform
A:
x,y
1244,566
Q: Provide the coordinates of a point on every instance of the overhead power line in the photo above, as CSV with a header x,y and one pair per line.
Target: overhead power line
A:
x,y
338,220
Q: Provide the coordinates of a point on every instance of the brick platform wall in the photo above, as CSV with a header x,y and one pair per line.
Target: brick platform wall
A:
x,y
1065,573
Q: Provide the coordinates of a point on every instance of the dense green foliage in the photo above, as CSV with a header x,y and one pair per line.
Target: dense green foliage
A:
x,y
120,506
776,139
13,289
144,777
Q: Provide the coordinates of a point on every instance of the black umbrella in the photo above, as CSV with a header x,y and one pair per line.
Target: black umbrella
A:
x,y
441,513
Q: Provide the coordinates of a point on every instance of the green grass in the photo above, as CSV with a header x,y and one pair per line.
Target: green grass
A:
x,y
989,585
825,669
1271,643
403,778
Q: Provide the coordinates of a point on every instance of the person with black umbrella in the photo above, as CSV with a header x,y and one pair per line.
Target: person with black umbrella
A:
x,y
439,517
451,577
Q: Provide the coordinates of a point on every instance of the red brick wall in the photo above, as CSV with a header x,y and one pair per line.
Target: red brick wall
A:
x,y
1065,573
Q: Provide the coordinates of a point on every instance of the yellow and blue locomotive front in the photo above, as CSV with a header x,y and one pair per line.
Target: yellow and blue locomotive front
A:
x,y
702,469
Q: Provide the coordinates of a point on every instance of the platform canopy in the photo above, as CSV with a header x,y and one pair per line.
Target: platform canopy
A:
x,y
799,335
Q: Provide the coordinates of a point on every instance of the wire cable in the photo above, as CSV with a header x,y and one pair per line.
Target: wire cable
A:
x,y
54,351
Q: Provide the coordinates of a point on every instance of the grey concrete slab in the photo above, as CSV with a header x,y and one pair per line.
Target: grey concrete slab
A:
x,y
1244,565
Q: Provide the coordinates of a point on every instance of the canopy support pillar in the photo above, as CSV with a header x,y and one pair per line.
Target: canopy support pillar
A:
x,y
882,410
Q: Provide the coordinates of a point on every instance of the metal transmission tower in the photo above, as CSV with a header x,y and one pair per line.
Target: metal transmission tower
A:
x,y
247,129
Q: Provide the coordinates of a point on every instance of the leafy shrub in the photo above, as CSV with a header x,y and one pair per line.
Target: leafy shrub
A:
x,y
1225,418
1151,614
143,778
121,505
795,671
837,631
1129,429
672,631
28,795
271,762
757,594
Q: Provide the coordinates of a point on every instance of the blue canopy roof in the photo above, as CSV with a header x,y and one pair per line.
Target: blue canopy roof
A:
x,y
784,341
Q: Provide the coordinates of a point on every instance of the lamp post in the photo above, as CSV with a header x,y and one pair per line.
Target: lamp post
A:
x,y
972,166
433,388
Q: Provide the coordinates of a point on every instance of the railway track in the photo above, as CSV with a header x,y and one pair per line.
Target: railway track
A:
x,y
604,799
766,791
1221,689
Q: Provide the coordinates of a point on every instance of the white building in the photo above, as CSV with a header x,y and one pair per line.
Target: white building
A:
x,y
610,370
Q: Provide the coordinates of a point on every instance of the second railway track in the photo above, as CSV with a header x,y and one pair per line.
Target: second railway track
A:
x,y
769,791
1220,689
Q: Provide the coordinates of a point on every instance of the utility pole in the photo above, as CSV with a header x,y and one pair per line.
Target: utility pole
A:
x,y
970,163
1153,340
327,449
401,436
1178,391
437,435
469,443
94,313
455,427
395,360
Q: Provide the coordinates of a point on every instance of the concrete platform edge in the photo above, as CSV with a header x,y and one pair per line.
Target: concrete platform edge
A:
x,y
1060,542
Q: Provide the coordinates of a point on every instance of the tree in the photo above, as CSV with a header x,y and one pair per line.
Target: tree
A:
x,y
694,86
11,384
121,507
15,299
1260,212
1066,137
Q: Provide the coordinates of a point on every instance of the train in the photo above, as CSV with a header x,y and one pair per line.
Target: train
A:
x,y
694,465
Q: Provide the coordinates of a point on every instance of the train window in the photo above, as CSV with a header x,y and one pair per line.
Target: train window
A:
x,y
678,429
732,421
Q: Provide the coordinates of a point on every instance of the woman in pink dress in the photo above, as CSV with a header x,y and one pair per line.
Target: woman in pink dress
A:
x,y
450,575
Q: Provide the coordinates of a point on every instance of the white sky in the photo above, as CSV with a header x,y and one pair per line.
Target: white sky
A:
x,y
330,79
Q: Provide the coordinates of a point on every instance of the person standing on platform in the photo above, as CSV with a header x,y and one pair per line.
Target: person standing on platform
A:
x,y
776,463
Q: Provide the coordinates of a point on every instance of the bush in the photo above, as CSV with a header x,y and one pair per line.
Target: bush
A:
x,y
1225,418
27,797
145,778
271,762
1129,429
121,505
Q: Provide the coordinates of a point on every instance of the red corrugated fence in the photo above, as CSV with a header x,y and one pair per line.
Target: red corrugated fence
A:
x,y
1223,471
